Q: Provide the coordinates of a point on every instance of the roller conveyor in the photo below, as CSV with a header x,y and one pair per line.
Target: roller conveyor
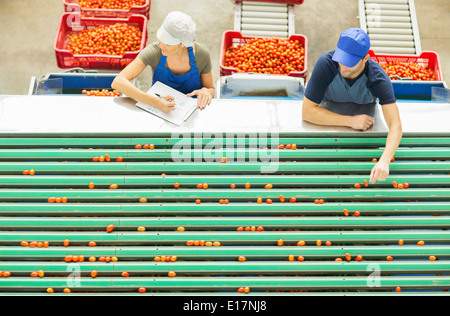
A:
x,y
264,19
391,25
59,135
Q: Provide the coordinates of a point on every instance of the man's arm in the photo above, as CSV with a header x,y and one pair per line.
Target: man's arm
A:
x,y
314,114
392,116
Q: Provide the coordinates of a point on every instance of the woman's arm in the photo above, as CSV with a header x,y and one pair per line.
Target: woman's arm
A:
x,y
206,93
123,83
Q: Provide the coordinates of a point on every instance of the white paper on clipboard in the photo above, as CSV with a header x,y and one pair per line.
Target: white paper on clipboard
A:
x,y
184,106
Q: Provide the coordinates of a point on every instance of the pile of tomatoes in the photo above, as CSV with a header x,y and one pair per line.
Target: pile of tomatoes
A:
x,y
111,4
409,70
267,55
105,40
101,93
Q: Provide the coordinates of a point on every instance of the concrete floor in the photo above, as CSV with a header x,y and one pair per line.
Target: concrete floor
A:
x,y
28,29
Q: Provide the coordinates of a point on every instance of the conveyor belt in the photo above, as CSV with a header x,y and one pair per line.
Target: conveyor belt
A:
x,y
264,19
391,25
321,167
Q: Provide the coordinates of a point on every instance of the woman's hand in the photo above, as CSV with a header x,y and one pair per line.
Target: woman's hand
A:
x,y
204,97
167,104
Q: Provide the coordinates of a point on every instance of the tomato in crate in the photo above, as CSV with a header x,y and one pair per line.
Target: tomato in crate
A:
x,y
108,8
271,55
98,43
413,76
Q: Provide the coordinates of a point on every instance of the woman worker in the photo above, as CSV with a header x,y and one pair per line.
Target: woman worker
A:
x,y
176,61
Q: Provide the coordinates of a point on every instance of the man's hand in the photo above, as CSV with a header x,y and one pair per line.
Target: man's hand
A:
x,y
380,172
362,122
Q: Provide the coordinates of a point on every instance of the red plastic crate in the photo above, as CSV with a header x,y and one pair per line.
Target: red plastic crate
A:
x,y
426,59
73,6
235,38
293,2
65,59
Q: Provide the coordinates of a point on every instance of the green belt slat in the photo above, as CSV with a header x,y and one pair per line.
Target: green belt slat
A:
x,y
83,238
216,195
217,181
257,267
228,283
309,208
330,154
217,168
227,223
147,253
158,141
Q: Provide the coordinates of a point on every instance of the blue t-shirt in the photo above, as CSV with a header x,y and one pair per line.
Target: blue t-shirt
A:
x,y
327,84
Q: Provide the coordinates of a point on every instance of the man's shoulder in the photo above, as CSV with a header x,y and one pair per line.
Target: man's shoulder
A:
x,y
376,73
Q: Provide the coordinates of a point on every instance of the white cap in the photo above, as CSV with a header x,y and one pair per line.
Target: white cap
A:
x,y
177,28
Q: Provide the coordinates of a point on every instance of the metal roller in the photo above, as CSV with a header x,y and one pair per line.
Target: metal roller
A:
x,y
269,15
388,31
389,37
265,4
265,33
387,1
377,43
265,27
260,8
386,13
400,25
247,20
394,50
388,7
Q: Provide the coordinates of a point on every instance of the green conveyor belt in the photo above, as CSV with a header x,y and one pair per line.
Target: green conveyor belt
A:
x,y
320,168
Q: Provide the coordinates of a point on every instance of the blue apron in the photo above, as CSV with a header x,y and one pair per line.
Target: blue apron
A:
x,y
185,83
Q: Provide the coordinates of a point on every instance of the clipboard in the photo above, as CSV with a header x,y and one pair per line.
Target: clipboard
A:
x,y
184,106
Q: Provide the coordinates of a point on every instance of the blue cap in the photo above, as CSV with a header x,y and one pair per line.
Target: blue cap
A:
x,y
353,45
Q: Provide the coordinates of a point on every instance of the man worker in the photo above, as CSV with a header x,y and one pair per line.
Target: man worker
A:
x,y
347,76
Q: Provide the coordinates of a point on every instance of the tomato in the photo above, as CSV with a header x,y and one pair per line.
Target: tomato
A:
x,y
142,290
181,229
91,185
348,257
268,186
113,186
301,243
224,160
409,70
110,228
280,242
94,274
242,259
125,274
110,4
113,40
172,274
142,200
266,55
